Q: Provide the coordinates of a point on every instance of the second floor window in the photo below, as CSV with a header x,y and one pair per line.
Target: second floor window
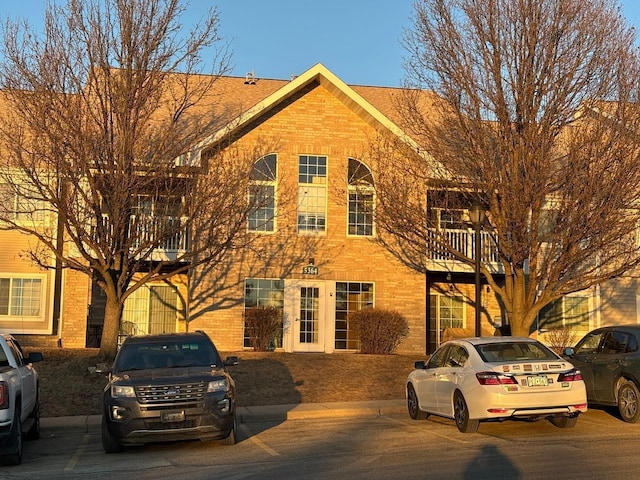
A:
x,y
312,194
449,219
18,205
361,199
262,195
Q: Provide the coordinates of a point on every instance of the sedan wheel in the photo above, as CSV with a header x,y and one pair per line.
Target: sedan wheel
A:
x,y
412,405
461,415
628,398
564,422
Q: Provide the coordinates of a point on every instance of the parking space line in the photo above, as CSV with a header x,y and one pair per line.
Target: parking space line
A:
x,y
428,432
259,442
78,453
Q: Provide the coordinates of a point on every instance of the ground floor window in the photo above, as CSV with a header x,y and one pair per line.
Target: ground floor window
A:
x,y
150,309
264,292
567,312
448,312
20,297
350,297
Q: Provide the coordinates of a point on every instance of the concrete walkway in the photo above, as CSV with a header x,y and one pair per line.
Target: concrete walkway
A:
x,y
273,413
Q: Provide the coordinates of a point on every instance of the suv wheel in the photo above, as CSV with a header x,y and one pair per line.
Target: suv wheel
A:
x,y
109,443
231,438
628,401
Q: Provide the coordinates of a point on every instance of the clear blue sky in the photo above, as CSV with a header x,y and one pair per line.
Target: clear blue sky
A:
x,y
358,40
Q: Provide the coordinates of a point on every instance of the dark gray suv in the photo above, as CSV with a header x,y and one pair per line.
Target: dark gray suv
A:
x,y
609,359
168,387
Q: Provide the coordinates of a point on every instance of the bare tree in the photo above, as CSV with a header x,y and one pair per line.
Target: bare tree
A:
x,y
528,108
101,115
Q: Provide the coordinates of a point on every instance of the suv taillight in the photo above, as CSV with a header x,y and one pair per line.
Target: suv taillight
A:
x,y
4,395
570,376
493,378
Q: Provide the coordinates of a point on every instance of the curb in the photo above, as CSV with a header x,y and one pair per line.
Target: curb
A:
x,y
261,413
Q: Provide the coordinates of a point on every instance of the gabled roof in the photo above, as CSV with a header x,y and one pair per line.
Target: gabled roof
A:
x,y
373,104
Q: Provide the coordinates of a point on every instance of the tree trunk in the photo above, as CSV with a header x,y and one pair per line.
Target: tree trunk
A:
x,y
516,304
112,315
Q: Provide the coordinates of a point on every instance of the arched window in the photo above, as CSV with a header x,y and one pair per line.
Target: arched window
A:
x,y
262,194
361,191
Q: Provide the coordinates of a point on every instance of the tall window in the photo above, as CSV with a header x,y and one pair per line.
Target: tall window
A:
x,y
350,297
569,311
264,292
448,310
152,309
262,191
20,297
312,194
361,199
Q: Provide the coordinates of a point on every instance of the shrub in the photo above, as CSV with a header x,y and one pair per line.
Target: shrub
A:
x,y
261,325
380,331
560,338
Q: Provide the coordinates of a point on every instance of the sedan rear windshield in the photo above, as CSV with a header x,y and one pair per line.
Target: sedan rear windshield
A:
x,y
515,351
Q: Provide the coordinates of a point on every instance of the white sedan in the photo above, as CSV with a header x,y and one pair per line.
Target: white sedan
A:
x,y
498,378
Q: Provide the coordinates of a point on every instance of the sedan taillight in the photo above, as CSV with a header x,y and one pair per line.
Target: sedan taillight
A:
x,y
570,376
493,378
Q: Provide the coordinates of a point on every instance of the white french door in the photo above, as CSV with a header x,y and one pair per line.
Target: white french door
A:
x,y
307,312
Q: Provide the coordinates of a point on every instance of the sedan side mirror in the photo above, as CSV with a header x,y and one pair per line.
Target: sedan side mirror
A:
x,y
569,351
420,365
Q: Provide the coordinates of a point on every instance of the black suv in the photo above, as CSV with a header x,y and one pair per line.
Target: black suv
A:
x,y
609,359
168,387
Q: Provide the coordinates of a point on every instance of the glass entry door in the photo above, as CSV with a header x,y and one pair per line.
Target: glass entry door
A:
x,y
309,319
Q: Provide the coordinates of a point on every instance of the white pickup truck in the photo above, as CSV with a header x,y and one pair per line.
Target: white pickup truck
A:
x,y
19,400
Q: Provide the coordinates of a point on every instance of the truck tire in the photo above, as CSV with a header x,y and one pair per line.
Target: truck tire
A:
x,y
34,417
15,441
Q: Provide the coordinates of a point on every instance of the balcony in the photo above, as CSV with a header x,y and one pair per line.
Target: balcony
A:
x,y
439,259
175,239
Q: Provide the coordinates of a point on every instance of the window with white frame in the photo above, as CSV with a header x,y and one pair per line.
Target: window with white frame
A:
x,y
361,199
350,297
448,312
18,203
262,194
312,194
571,311
21,296
264,292
449,218
150,309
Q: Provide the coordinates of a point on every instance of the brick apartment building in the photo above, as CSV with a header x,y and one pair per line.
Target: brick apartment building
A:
x,y
325,261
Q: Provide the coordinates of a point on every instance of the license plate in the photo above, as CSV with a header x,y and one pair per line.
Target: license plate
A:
x,y
169,417
537,381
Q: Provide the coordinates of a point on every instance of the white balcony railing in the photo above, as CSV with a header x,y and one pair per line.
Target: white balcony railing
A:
x,y
175,239
462,241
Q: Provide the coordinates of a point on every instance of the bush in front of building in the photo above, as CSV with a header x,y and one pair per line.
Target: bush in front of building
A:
x,y
261,325
380,331
560,338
